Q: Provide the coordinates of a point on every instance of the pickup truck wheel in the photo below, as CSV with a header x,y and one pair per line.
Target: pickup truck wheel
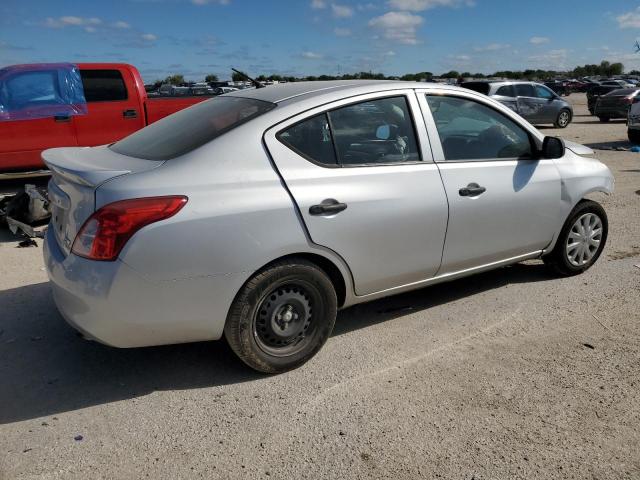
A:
x,y
634,136
581,240
564,119
282,316
604,119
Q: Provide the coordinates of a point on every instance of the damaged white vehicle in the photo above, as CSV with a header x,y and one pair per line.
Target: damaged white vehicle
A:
x,y
260,213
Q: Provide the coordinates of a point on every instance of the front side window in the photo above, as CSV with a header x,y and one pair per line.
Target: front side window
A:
x,y
103,85
525,90
544,92
367,133
469,130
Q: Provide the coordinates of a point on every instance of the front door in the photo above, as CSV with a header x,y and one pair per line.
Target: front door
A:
x,y
35,93
503,202
361,173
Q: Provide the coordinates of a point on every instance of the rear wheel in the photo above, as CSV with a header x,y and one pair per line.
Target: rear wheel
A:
x,y
563,119
604,119
282,316
581,239
634,136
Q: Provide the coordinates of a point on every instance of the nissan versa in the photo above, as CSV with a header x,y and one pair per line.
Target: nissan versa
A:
x,y
258,214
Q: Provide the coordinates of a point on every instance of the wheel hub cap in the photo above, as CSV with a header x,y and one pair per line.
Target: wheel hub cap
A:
x,y
584,239
283,319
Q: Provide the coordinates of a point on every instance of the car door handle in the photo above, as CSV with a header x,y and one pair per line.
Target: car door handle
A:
x,y
472,190
130,114
329,206
62,118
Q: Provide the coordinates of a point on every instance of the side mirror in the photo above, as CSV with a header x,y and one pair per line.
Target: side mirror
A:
x,y
552,147
383,132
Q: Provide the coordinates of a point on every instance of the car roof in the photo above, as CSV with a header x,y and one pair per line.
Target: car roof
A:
x,y
298,91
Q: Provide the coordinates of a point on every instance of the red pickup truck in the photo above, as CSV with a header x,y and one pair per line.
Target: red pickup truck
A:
x,y
115,105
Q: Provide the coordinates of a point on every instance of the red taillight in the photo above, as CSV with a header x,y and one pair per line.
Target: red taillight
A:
x,y
105,233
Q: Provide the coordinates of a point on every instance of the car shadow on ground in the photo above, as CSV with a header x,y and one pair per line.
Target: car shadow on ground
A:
x,y
47,369
609,145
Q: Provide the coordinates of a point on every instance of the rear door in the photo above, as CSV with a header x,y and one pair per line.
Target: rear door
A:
x,y
503,203
361,173
114,109
22,141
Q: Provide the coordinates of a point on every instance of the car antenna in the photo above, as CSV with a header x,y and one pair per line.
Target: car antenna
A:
x,y
256,83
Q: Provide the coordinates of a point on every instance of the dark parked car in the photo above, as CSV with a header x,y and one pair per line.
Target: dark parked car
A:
x,y
596,92
615,104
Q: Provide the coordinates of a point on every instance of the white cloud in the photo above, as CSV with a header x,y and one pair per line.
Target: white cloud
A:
x,y
492,47
551,60
120,24
318,4
421,5
341,11
214,2
539,40
312,55
629,20
341,32
400,27
68,21
149,37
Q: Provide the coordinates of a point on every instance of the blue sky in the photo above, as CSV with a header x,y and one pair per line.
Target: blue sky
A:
x,y
311,37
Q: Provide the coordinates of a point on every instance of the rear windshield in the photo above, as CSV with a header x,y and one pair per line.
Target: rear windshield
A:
x,y
480,87
622,92
191,128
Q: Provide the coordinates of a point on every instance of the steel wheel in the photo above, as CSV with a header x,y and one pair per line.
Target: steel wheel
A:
x,y
283,321
584,239
563,119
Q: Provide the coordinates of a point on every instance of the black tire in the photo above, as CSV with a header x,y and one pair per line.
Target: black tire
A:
x,y
558,259
292,302
563,119
634,136
604,119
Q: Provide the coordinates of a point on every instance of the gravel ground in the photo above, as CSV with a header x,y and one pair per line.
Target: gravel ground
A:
x,y
509,374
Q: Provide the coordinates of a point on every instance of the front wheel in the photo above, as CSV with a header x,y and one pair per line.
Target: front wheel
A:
x,y
564,119
282,316
581,239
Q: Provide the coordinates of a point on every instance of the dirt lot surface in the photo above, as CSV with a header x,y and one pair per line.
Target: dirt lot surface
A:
x,y
509,374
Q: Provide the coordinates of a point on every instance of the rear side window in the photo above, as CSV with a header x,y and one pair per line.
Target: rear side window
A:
x,y
506,91
480,87
312,139
377,131
372,132
103,85
525,90
191,128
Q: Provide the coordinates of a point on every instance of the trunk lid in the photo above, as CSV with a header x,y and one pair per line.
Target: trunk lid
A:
x,y
76,174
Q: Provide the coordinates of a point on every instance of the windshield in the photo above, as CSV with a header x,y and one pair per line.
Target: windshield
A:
x,y
191,128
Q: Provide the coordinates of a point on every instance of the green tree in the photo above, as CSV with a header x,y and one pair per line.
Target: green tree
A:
x,y
211,78
237,77
174,79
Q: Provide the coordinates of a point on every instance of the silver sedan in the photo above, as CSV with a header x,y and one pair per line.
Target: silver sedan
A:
x,y
258,214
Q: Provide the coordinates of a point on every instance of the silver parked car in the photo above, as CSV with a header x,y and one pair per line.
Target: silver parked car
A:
x,y
259,214
535,102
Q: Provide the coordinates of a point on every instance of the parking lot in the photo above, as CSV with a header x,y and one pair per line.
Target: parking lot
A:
x,y
508,374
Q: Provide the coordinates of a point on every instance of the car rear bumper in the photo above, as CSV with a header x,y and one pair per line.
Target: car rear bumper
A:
x,y
115,305
611,112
